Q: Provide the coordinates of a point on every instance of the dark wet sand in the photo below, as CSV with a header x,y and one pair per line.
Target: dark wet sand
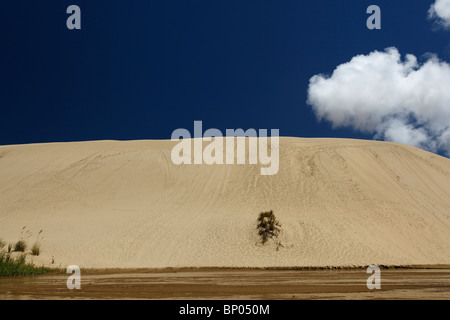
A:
x,y
233,284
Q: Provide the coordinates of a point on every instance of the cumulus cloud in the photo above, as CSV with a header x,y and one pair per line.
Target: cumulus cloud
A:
x,y
440,10
395,99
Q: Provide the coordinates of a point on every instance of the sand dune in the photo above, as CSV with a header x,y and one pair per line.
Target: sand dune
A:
x,y
112,204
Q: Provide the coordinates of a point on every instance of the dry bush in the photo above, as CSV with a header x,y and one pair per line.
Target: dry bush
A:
x,y
268,227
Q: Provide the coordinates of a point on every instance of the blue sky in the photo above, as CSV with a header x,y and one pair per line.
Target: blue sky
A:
x,y
141,69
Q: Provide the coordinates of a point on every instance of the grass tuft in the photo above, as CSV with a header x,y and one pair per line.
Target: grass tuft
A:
x,y
36,249
20,246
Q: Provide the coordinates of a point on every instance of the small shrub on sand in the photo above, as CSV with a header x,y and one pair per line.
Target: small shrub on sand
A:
x,y
20,246
268,227
36,249
2,244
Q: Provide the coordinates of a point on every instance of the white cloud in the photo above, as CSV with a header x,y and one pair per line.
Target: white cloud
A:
x,y
393,99
440,10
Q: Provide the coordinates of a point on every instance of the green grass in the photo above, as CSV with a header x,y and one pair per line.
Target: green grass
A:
x,y
10,266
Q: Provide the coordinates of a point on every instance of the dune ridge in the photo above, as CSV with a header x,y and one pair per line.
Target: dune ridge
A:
x,y
124,204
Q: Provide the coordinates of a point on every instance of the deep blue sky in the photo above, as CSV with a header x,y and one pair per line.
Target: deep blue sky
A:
x,y
140,69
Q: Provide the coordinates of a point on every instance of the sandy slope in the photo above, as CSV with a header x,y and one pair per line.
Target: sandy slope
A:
x,y
124,204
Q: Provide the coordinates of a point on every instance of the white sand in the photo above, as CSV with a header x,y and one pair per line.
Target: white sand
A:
x,y
124,204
